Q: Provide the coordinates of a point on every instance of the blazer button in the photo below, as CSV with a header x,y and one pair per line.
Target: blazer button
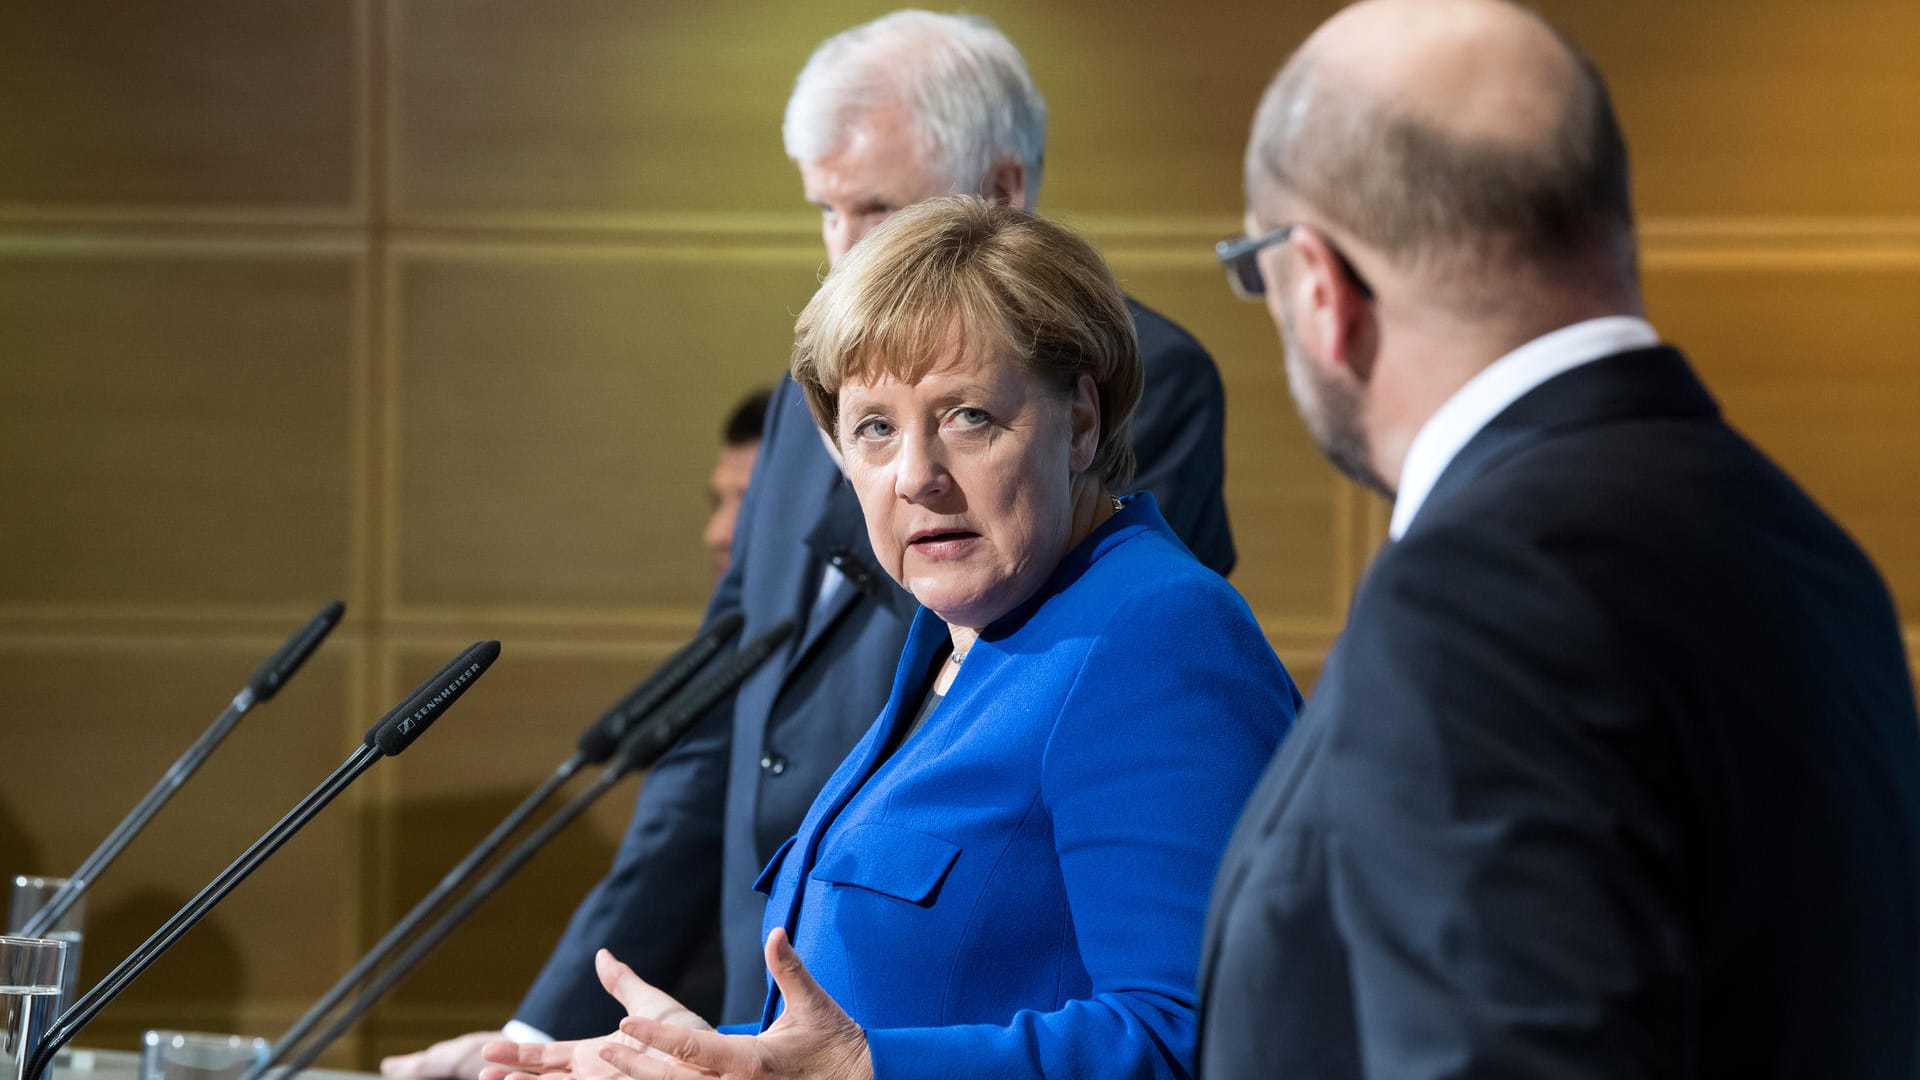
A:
x,y
773,764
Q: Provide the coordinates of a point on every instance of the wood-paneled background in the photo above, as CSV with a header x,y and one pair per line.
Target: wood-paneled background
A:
x,y
435,306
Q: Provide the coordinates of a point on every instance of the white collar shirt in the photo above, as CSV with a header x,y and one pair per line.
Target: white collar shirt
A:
x,y
1499,385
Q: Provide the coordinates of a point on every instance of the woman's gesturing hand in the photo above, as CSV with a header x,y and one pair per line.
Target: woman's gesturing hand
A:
x,y
581,1058
814,1038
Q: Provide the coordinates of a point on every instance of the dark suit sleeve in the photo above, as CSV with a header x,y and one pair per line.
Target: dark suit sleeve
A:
x,y
1503,863
658,906
1179,438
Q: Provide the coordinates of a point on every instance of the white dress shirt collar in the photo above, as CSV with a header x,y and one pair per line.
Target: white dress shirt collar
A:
x,y
1499,385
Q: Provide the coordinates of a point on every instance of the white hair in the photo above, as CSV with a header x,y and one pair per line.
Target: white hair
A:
x,y
963,84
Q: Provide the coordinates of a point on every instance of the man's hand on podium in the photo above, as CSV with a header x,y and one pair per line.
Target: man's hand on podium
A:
x,y
457,1058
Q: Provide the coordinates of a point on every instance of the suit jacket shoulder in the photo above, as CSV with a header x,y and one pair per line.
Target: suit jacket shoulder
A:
x,y
1179,437
1620,706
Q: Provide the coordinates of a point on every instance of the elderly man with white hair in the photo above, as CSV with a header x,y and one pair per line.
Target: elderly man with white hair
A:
x,y
901,109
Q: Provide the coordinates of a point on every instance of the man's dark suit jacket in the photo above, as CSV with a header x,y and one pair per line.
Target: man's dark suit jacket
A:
x,y
716,807
1614,773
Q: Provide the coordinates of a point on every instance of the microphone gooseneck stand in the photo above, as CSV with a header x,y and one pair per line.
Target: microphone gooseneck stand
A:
x,y
265,683
595,746
641,747
393,733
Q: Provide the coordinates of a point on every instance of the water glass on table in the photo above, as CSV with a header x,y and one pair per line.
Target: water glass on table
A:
x,y
30,894
198,1055
30,970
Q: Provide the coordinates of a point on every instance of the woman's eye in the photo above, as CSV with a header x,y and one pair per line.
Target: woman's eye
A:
x,y
968,416
872,428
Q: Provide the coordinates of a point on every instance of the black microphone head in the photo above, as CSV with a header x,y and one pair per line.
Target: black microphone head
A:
x,y
598,742
287,659
646,742
406,721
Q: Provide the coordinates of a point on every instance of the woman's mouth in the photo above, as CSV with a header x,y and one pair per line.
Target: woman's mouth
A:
x,y
942,543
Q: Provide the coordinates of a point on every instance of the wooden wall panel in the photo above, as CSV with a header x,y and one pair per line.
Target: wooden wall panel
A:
x,y
175,422
1831,398
93,723
1767,108
1149,104
587,108
557,414
222,106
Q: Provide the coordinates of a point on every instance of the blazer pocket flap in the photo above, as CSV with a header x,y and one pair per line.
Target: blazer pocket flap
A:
x,y
889,860
764,883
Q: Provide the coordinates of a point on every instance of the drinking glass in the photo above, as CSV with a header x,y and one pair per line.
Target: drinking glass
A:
x,y
198,1055
29,981
30,894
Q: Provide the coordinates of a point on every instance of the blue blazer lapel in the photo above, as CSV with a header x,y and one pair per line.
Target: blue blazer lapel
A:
x,y
799,855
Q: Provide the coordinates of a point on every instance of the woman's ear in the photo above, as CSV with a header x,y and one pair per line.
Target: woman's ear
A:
x,y
1084,415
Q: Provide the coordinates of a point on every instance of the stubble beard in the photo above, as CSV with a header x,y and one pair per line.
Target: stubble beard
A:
x,y
1331,410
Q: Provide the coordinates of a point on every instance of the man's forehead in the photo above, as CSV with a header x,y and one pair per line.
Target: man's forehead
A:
x,y
880,160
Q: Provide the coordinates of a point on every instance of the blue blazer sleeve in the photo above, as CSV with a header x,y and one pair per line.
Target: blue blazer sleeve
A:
x,y
1168,723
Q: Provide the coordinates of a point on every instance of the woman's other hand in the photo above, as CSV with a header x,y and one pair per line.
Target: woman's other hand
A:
x,y
814,1037
581,1058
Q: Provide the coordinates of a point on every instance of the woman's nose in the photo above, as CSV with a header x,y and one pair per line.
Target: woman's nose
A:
x,y
922,472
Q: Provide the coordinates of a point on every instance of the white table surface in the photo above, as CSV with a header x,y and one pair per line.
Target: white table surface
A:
x,y
84,1064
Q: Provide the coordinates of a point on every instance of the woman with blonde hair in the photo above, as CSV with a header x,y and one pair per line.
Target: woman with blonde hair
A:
x,y
1008,875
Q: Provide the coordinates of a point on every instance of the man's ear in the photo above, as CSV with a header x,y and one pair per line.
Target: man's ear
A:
x,y
1006,184
1084,415
1327,295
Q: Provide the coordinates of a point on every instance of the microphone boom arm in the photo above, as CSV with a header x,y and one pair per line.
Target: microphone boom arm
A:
x,y
453,880
641,747
447,924
90,1003
265,683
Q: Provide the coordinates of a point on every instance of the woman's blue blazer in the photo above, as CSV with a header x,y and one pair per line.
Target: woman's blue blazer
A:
x,y
1019,891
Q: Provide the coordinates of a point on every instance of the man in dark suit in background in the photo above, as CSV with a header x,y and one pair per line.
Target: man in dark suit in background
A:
x,y
909,106
1616,769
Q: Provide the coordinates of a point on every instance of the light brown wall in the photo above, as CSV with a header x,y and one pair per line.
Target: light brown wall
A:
x,y
436,305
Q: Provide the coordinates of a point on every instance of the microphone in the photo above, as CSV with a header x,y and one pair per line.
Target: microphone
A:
x,y
596,745
265,683
642,746
388,736
598,742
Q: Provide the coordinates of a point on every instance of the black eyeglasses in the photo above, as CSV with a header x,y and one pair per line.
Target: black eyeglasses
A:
x,y
1240,256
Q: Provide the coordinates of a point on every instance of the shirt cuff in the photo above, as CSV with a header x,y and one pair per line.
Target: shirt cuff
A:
x,y
524,1033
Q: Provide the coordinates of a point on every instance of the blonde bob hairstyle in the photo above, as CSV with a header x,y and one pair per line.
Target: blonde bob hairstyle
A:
x,y
958,278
